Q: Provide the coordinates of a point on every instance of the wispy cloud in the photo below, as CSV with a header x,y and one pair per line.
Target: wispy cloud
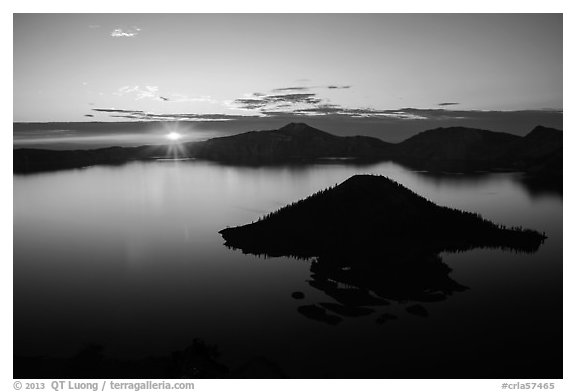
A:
x,y
330,109
113,110
399,123
292,99
153,93
307,88
126,90
298,88
276,100
249,103
150,92
186,98
300,102
125,33
148,116
309,103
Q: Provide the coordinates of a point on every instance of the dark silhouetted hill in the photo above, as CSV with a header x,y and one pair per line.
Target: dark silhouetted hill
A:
x,y
372,213
457,149
540,155
293,142
29,160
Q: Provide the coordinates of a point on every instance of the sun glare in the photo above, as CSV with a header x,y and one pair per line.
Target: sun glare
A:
x,y
173,136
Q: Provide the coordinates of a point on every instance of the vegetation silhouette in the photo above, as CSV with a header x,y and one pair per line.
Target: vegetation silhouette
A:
x,y
373,241
197,361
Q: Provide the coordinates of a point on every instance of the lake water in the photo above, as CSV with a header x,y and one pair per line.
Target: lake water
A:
x,y
130,257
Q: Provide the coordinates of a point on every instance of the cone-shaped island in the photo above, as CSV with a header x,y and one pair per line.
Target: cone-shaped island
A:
x,y
373,214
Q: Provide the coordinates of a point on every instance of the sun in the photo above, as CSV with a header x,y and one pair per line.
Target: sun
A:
x,y
173,136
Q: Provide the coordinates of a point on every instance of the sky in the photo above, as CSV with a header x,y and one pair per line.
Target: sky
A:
x,y
241,67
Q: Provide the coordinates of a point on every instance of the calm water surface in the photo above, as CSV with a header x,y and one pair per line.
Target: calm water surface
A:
x,y
130,257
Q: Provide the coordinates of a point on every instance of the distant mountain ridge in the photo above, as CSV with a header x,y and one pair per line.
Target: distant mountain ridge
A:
x,y
295,141
455,149
469,149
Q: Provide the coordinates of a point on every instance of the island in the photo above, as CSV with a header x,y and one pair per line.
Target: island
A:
x,y
368,213
372,240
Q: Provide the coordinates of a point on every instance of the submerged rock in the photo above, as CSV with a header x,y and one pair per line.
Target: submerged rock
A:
x,y
417,310
347,311
384,318
315,312
298,295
